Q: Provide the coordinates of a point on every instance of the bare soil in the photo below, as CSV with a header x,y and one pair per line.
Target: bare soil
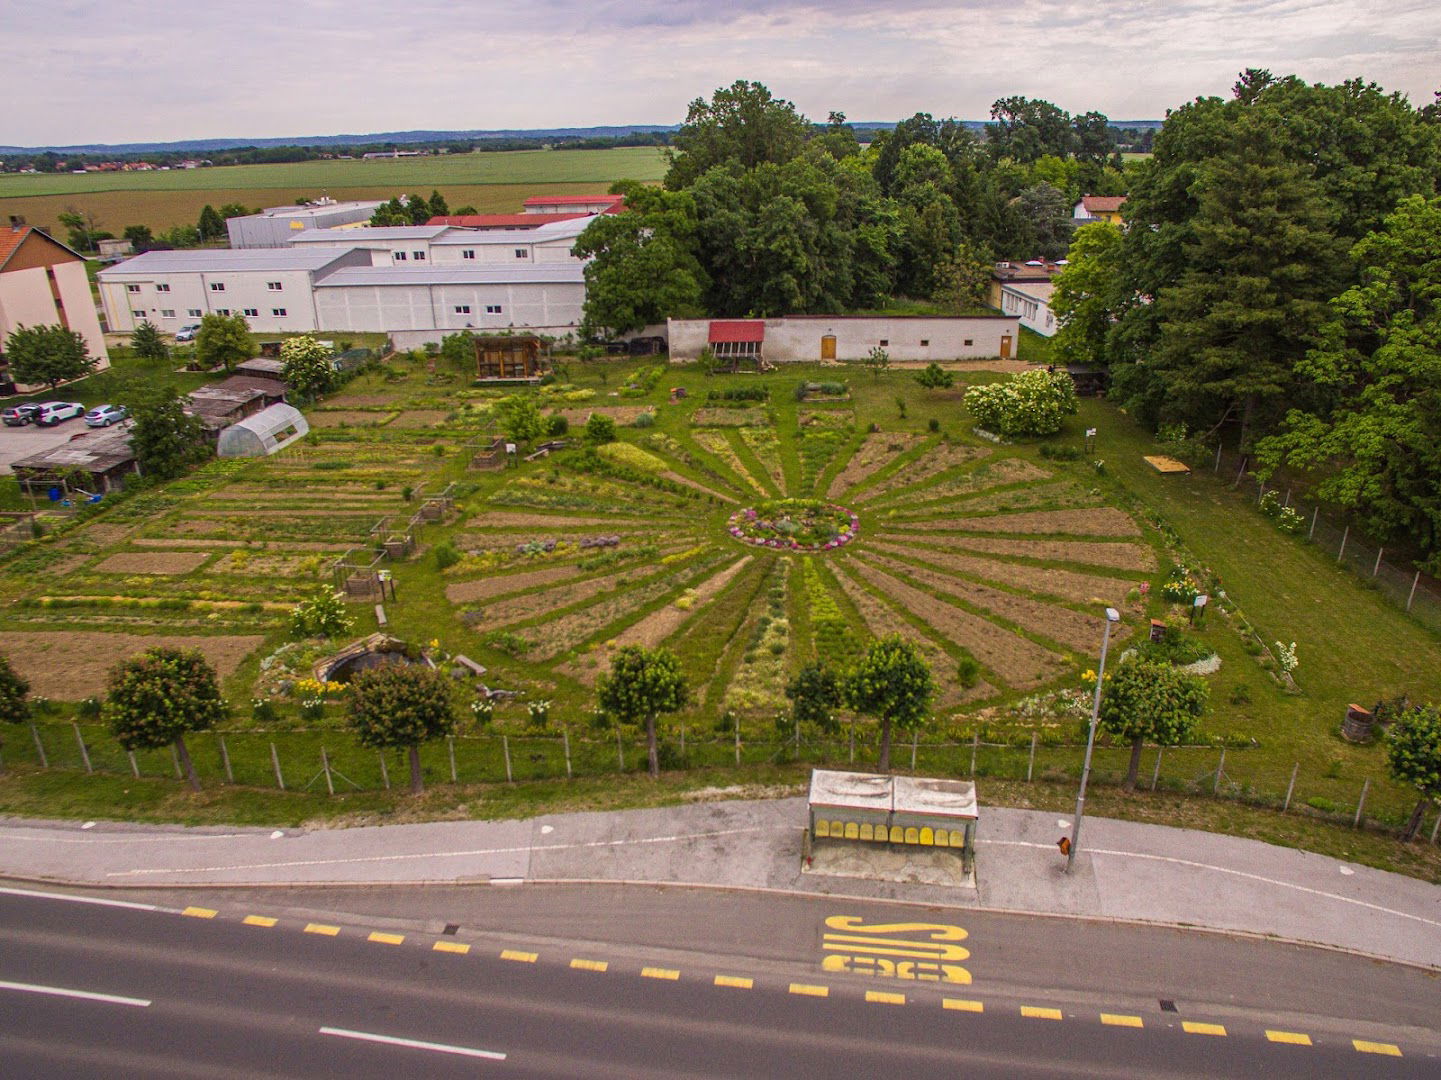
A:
x,y
876,452
997,474
1048,581
76,664
1101,521
931,464
335,417
464,592
1118,555
413,418
152,562
621,414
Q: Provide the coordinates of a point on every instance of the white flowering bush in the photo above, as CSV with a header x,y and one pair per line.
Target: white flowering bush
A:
x,y
323,614
1286,657
1030,403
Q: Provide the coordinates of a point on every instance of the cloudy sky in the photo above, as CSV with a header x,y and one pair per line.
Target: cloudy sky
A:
x,y
126,71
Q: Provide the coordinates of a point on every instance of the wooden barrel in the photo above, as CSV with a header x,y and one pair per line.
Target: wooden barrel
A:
x,y
1358,723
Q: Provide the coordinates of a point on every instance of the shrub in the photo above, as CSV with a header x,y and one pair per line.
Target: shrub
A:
x,y
446,556
968,671
322,614
262,711
1240,694
1030,403
1056,452
600,429
644,420
556,426
933,424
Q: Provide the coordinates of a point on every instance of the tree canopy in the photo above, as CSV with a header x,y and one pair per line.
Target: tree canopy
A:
x,y
893,683
47,354
145,339
223,341
14,693
1151,701
158,697
398,706
167,441
1413,757
641,685
307,366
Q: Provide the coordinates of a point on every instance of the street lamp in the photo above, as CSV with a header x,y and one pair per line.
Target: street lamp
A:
x,y
1112,616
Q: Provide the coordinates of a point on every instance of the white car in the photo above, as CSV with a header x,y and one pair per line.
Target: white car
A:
x,y
57,412
187,333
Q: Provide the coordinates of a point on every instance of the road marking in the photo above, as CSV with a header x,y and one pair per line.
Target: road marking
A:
x,y
589,965
660,973
924,952
414,1044
1121,1020
962,1005
807,990
83,995
1191,1027
451,946
1037,1013
385,939
521,957
321,928
259,920
79,899
739,982
1389,1049
880,997
1295,1038
200,912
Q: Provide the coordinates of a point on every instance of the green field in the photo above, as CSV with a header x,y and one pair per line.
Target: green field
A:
x,y
492,182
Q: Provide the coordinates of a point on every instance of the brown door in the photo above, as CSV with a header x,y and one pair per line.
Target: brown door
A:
x,y
1005,346
828,347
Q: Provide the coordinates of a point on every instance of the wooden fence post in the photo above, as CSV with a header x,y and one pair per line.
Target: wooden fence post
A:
x,y
450,749
1031,764
619,749
1218,459
975,745
738,740
225,760
134,765
1377,568
175,760
1414,582
1156,774
853,742
275,761
1361,803
505,749
1344,534
1314,515
1290,787
39,747
565,740
915,740
84,753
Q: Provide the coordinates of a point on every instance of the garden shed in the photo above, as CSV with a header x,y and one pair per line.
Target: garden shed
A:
x,y
263,433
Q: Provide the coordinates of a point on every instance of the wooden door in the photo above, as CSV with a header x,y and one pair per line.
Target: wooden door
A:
x,y
1005,346
828,347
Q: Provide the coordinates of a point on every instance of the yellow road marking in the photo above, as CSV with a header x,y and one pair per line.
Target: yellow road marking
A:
x,y
740,982
880,997
1296,1038
1120,1020
321,928
1036,1013
521,957
1389,1049
660,973
451,946
807,990
386,939
259,920
589,965
1190,1027
200,912
962,1005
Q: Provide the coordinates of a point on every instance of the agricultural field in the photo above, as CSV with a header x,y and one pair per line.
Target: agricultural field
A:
x,y
491,182
752,528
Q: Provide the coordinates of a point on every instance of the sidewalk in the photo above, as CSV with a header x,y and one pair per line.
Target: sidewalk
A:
x,y
1125,871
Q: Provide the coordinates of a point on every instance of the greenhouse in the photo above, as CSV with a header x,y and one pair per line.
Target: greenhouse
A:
x,y
264,433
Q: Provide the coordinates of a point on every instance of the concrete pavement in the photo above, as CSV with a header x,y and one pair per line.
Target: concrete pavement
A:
x,y
1125,871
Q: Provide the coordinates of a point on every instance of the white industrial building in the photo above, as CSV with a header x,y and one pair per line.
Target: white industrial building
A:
x,y
816,338
275,226
418,246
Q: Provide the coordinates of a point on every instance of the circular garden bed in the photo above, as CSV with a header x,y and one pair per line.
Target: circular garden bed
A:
x,y
794,525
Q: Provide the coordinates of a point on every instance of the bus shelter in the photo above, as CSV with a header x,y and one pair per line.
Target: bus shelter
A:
x,y
897,811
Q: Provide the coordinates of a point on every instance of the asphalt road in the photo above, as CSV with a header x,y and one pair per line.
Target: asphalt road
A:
x,y
605,982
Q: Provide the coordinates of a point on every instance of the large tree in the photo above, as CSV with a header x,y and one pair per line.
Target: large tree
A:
x,y
14,694
1413,757
1151,701
893,683
223,341
641,685
166,439
147,342
399,706
307,366
1087,295
47,354
211,225
1024,129
158,697
742,124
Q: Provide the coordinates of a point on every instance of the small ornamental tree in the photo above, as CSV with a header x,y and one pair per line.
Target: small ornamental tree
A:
x,y
47,354
1031,403
147,342
641,684
935,377
223,341
1413,757
306,366
165,438
815,695
211,225
599,429
893,683
1151,701
322,614
878,360
520,419
157,697
14,694
399,706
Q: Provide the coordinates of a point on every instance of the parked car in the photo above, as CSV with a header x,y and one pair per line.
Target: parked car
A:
x,y
105,415
57,412
20,415
187,333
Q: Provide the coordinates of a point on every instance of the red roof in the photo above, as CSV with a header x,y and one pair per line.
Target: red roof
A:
x,y
567,200
503,221
731,330
1109,204
10,240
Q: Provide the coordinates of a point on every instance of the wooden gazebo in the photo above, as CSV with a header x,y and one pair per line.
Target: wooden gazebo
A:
x,y
509,356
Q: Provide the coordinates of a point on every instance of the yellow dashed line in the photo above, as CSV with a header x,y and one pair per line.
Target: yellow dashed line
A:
x,y
259,920
589,965
520,957
1190,1027
1389,1049
880,997
321,928
386,939
1296,1038
807,990
739,982
1036,1013
451,946
962,1005
200,912
1120,1020
660,973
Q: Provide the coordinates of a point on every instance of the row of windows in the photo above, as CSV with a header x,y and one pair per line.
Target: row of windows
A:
x,y
465,253
490,309
401,256
195,313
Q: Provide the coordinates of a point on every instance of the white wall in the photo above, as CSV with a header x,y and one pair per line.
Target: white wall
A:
x,y
26,300
547,305
1031,304
798,338
191,291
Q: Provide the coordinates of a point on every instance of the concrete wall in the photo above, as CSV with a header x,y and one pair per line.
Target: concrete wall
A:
x,y
26,300
268,231
798,339
551,307
1031,304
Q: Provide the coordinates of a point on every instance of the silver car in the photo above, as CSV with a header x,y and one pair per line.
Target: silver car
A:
x,y
105,415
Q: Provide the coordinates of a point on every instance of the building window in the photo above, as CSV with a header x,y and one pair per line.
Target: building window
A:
x,y
885,342
418,255
925,342
278,312
467,253
132,288
222,311
162,287
167,313
139,313
492,309
968,341
273,286
251,312
400,256
194,312
462,309
217,286
521,253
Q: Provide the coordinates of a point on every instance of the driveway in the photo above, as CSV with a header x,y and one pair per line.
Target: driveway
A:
x,y
20,442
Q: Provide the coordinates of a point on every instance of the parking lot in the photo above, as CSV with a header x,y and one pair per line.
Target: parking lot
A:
x,y
20,442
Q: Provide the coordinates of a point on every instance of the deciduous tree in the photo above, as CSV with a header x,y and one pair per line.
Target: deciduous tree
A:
x,y
1151,701
893,683
1088,296
1413,757
816,694
641,685
167,441
397,706
47,354
14,694
741,124
223,341
307,366
158,697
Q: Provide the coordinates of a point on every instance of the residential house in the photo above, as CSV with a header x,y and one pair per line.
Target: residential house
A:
x,y
1094,208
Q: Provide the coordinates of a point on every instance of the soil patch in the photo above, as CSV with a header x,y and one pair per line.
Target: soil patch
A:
x,y
73,665
1102,521
352,401
152,562
266,565
336,417
1066,584
464,592
621,414
932,463
991,475
1116,555
413,418
564,523
289,545
876,452
728,417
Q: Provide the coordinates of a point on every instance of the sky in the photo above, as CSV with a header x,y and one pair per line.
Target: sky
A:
x,y
158,70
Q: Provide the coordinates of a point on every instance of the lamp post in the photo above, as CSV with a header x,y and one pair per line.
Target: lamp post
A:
x,y
1112,616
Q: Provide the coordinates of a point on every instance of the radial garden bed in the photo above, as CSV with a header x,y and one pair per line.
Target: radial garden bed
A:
x,y
795,525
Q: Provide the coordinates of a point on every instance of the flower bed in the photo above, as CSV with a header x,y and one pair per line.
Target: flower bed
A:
x,y
795,525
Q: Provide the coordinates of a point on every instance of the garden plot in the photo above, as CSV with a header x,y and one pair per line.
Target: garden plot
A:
x,y
466,592
333,418
506,519
711,417
1119,556
557,599
875,453
288,545
269,565
933,462
420,418
716,443
1101,521
152,562
1002,473
758,687
76,664
1045,580
623,415
762,442
1059,495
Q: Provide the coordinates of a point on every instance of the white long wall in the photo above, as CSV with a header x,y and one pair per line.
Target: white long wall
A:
x,y
800,339
26,300
270,300
554,307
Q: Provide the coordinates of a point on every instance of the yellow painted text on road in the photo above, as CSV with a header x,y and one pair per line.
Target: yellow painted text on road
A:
x,y
1120,1020
1389,1049
259,920
1191,1027
916,951
1295,1038
200,912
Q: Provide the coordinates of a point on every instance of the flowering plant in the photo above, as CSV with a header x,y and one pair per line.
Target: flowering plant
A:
x,y
1286,656
795,525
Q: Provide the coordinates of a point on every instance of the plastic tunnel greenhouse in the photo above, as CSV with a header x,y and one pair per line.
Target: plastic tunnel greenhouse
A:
x,y
264,433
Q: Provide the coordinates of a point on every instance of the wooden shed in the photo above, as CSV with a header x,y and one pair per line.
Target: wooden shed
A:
x,y
509,356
